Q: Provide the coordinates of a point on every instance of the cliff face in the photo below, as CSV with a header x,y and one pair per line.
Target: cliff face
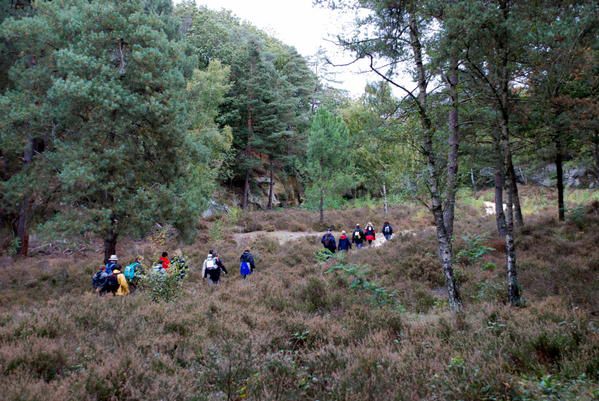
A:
x,y
287,190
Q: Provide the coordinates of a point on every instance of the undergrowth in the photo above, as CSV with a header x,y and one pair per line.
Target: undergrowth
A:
x,y
368,325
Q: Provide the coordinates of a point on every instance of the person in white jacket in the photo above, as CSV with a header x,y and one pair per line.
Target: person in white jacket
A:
x,y
212,268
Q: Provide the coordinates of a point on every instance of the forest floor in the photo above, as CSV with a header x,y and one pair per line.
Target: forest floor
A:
x,y
372,325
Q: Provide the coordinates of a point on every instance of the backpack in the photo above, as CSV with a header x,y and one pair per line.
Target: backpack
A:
x,y
130,271
111,285
245,268
98,280
387,228
357,234
210,264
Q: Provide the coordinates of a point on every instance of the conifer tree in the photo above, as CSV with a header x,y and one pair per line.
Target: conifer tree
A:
x,y
328,157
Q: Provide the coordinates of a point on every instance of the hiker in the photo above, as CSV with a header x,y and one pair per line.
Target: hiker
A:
x,y
133,269
246,264
387,231
357,237
369,233
344,242
328,241
99,279
212,268
165,261
113,263
123,286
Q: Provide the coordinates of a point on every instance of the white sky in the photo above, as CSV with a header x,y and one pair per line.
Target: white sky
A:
x,y
299,24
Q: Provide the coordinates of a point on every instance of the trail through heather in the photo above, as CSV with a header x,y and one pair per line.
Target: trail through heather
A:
x,y
283,236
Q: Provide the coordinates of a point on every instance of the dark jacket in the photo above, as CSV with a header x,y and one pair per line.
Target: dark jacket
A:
x,y
387,232
344,243
328,241
214,274
357,236
246,256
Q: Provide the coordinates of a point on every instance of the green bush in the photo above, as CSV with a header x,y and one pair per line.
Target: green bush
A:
x,y
473,250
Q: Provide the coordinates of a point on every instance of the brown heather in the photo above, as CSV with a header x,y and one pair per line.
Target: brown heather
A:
x,y
294,332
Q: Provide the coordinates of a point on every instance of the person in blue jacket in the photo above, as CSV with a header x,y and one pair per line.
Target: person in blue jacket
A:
x,y
344,242
246,264
328,241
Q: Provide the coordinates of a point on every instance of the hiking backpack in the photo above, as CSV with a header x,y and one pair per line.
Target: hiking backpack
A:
x,y
210,264
387,229
130,271
98,280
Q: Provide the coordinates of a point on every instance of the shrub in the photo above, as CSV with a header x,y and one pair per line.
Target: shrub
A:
x,y
314,295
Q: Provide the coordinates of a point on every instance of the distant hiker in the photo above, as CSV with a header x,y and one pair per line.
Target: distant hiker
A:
x,y
123,288
387,230
99,279
212,268
246,264
369,233
357,237
133,269
328,241
165,261
344,242
113,263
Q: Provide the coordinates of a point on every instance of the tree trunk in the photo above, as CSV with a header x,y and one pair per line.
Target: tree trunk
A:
x,y
510,246
499,184
473,180
321,206
385,202
454,141
510,251
504,110
246,190
110,241
559,168
443,240
518,218
271,184
22,226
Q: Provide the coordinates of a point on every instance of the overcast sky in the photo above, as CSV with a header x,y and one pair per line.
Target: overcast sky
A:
x,y
299,24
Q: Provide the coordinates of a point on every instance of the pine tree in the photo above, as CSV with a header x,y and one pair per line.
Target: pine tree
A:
x,y
328,158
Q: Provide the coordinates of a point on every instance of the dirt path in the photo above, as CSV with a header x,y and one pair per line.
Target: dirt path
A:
x,y
283,236
280,236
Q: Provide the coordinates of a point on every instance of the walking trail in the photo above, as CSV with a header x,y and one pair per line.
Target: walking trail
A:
x,y
283,236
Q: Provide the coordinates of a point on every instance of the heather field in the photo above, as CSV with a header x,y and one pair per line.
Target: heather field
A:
x,y
373,325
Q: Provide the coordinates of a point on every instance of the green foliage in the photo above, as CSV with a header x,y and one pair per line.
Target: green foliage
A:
x,y
473,250
358,276
133,138
163,286
328,165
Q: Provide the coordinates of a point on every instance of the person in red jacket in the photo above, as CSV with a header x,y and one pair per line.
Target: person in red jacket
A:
x,y
344,242
166,263
369,233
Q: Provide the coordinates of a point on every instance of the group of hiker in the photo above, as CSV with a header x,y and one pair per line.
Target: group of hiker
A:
x,y
111,278
358,237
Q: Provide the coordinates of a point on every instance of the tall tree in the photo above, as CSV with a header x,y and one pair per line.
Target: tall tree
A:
x,y
559,62
397,33
327,157
111,96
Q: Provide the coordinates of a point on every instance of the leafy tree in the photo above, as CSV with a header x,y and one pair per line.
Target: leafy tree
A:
x,y
328,158
562,87
269,98
396,35
110,94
